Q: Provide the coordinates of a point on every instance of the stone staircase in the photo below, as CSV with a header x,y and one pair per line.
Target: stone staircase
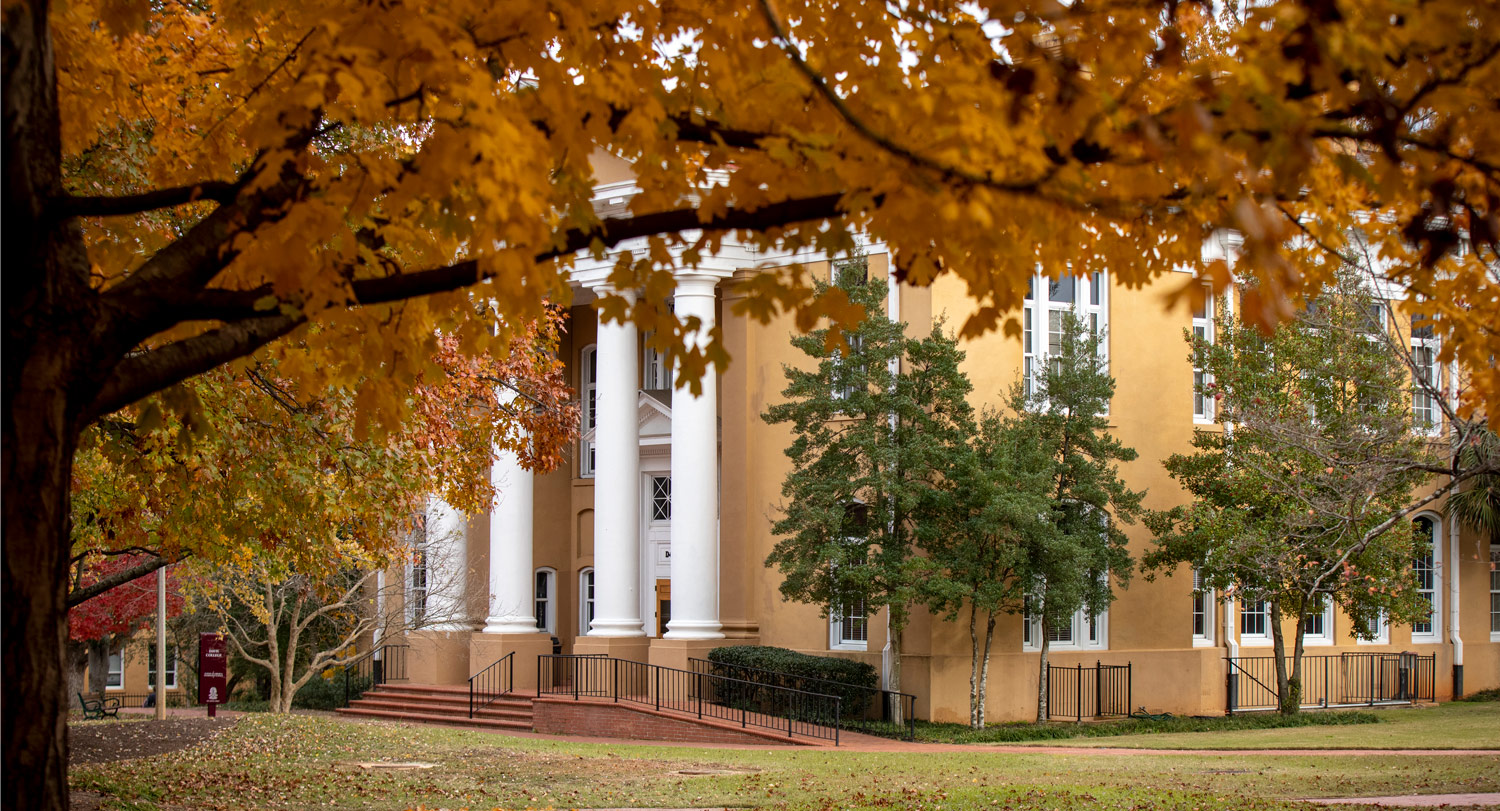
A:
x,y
440,704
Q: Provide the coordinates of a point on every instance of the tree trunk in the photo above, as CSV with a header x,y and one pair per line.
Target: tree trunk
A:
x,y
1041,686
1288,692
98,663
984,671
78,662
896,627
976,711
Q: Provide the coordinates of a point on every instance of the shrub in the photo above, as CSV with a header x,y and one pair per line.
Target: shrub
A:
x,y
328,693
854,683
1492,694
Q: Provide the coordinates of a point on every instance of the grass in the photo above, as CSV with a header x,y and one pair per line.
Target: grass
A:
x,y
1449,726
1023,733
296,762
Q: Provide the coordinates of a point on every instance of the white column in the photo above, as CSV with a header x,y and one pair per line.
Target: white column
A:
x,y
447,567
695,481
511,600
617,484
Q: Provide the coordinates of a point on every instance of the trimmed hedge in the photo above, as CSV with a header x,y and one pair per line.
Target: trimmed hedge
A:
x,y
328,693
856,684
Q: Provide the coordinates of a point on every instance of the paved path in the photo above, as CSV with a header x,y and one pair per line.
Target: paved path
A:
x,y
1417,800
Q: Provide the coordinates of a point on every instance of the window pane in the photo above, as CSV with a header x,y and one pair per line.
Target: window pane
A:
x,y
1062,290
661,498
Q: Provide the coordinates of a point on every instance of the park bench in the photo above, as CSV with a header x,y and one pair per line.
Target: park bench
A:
x,y
97,708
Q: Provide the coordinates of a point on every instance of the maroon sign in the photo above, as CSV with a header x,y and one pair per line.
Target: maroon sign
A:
x,y
213,670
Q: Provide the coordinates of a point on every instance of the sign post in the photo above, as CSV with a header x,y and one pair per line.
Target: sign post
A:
x,y
213,671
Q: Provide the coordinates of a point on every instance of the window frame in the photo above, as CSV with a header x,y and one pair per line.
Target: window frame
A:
x,y
1323,618
841,617
416,596
1084,633
656,373
1425,341
1203,327
586,604
1089,301
114,670
1433,635
1204,606
1382,634
1260,638
1495,592
588,395
171,670
544,606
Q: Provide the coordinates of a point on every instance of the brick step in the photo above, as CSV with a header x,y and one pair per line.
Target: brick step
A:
x,y
520,712
457,699
442,720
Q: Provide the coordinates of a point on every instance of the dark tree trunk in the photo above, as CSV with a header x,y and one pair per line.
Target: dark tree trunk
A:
x,y
52,363
98,660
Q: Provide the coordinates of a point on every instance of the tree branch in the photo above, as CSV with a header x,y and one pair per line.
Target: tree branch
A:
x,y
219,191
120,578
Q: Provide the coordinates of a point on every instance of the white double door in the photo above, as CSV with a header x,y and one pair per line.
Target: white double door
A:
x,y
656,551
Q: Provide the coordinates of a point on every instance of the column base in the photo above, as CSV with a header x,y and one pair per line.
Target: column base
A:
x,y
634,648
486,648
675,653
438,657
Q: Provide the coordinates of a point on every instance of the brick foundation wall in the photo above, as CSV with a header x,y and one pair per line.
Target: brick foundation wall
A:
x,y
568,717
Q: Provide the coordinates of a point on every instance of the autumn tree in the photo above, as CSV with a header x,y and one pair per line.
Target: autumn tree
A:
x,y
1303,496
106,623
874,424
1074,561
991,517
195,181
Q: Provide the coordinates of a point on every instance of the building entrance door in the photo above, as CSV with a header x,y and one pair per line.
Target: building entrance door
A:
x,y
663,605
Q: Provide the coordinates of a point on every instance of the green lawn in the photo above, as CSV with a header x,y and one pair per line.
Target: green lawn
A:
x,y
306,762
1448,726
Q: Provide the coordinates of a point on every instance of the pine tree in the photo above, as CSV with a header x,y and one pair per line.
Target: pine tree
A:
x,y
1071,565
876,422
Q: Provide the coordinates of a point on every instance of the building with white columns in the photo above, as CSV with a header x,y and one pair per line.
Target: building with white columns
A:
x,y
651,543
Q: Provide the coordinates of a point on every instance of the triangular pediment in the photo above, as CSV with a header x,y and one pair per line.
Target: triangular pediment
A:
x,y
653,417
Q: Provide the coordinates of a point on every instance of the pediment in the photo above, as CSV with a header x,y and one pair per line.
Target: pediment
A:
x,y
653,418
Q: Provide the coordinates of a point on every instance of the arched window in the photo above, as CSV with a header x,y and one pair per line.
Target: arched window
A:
x,y
546,600
1427,567
588,386
585,600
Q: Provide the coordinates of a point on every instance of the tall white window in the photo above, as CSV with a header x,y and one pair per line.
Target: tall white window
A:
x,y
1042,317
588,364
1317,625
656,374
1376,630
1203,612
416,581
171,667
1424,350
1426,566
1203,330
1078,631
849,626
1255,622
585,600
846,377
545,600
114,674
1494,593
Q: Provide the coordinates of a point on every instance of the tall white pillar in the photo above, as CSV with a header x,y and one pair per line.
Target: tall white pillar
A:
x,y
447,567
617,484
695,481
511,604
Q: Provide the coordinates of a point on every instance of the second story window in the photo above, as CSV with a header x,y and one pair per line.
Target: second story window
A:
x,y
588,386
1042,317
1203,330
1426,380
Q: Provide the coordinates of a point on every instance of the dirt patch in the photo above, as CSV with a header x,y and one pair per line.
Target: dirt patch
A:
x,y
122,740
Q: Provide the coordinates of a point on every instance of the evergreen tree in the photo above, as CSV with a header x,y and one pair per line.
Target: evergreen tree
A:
x,y
876,422
997,505
1304,494
1071,564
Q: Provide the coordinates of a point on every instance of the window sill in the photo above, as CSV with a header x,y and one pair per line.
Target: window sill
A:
x,y
1202,642
1320,642
1255,642
854,646
1381,641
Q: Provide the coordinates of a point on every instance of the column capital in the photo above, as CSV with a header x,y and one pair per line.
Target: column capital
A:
x,y
693,282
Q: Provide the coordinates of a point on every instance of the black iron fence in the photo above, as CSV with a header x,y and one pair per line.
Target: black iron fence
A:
x,y
1339,680
379,665
866,709
783,710
1079,692
175,698
492,683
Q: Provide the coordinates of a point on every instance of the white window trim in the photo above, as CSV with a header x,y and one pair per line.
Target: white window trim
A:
x,y
1210,612
547,617
1254,640
1035,315
587,393
113,664
419,553
1079,631
1206,323
656,373
585,599
1430,344
1326,637
836,640
1435,636
171,671
1382,637
1494,590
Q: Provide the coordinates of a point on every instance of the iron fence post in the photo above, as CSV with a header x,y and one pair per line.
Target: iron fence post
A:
x,y
615,677
1326,667
1098,689
658,688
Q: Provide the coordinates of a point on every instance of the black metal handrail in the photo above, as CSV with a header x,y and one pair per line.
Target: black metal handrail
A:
x,y
1351,679
1079,692
859,708
491,683
390,666
704,695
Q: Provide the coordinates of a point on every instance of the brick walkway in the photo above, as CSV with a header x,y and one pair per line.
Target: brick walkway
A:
x,y
1417,800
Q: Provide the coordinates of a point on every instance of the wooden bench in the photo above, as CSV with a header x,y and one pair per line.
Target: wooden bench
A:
x,y
98,708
